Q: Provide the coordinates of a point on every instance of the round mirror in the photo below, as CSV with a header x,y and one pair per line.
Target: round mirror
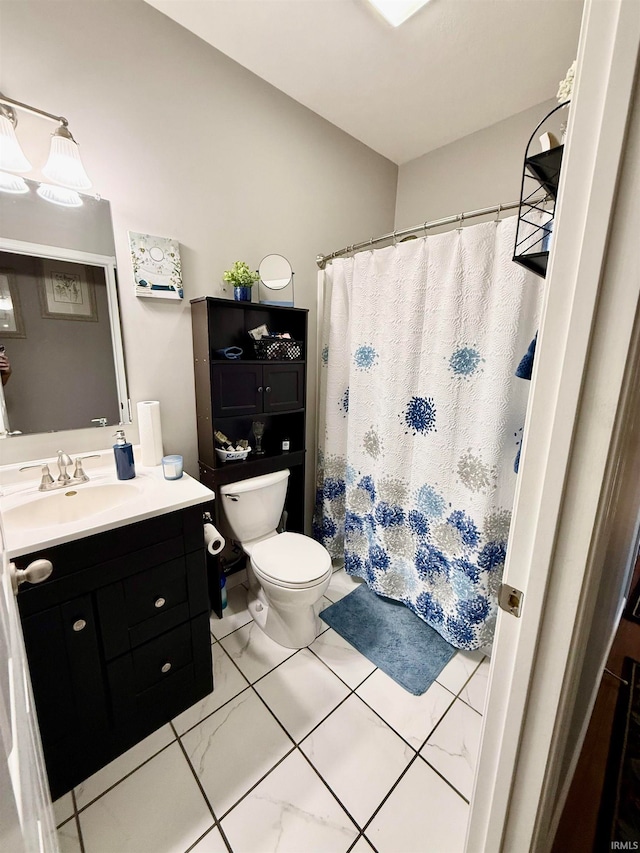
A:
x,y
275,272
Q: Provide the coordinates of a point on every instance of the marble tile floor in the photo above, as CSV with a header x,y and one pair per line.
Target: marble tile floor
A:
x,y
300,751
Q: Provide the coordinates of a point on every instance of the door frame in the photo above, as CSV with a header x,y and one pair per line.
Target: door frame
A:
x,y
571,448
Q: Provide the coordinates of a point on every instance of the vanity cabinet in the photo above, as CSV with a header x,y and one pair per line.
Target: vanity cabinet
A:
x,y
232,393
117,639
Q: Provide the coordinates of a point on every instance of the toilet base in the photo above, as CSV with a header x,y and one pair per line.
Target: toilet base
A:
x,y
295,630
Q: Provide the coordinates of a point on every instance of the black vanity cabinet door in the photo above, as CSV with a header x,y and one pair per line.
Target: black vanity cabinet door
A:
x,y
66,672
236,389
283,387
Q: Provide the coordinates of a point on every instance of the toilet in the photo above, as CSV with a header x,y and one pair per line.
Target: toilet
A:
x,y
288,572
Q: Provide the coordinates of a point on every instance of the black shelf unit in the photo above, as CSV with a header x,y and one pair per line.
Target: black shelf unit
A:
x,y
538,196
232,393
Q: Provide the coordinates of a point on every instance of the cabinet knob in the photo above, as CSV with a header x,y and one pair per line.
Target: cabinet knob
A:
x,y
268,389
260,389
160,602
36,572
165,667
79,625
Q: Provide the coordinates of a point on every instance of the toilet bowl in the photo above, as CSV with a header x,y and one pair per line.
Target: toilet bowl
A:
x,y
288,572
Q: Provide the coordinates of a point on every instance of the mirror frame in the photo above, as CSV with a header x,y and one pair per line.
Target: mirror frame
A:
x,y
108,264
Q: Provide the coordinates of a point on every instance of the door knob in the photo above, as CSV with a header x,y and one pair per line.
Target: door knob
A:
x,y
268,389
36,572
259,389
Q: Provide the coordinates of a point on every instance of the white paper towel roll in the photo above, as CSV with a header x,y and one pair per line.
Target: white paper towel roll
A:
x,y
150,432
214,539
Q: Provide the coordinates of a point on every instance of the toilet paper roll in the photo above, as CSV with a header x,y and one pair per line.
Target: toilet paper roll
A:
x,y
150,432
213,539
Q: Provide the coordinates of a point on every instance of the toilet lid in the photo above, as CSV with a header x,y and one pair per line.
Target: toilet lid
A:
x,y
291,558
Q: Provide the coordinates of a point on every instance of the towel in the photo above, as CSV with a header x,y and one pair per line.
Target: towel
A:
x,y
525,368
524,371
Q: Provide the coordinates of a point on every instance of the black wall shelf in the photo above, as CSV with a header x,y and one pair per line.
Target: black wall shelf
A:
x,y
538,196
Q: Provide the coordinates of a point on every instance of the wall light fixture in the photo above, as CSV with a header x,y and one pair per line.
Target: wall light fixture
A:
x,y
63,167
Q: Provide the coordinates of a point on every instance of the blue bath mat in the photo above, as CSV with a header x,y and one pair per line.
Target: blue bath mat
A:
x,y
392,637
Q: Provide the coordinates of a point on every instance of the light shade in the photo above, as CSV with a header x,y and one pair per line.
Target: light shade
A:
x,y
64,165
12,157
396,12
12,184
59,195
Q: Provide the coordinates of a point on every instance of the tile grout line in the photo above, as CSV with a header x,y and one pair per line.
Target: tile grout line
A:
x,y
444,779
216,823
76,815
331,791
126,776
389,792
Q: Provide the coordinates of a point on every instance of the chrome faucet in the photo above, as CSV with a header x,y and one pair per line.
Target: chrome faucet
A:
x,y
47,483
64,460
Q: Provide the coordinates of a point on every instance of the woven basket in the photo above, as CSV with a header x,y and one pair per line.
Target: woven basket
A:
x,y
283,349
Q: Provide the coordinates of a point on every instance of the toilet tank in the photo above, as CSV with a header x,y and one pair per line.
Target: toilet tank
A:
x,y
253,507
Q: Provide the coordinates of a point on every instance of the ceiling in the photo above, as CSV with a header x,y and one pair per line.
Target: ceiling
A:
x,y
453,68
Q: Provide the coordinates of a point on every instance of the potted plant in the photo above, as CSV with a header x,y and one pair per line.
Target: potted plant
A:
x,y
242,279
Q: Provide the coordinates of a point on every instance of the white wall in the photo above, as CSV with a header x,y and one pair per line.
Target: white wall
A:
x,y
188,144
479,170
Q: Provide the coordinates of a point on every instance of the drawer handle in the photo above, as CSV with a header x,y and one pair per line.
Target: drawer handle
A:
x,y
165,667
160,602
79,625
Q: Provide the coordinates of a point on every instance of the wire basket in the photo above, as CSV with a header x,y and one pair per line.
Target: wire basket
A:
x,y
284,349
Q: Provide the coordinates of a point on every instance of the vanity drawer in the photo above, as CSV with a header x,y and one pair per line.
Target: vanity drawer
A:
x,y
165,670
161,658
149,603
155,591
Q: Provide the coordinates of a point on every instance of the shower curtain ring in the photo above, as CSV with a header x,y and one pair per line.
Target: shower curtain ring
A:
x,y
499,210
460,221
395,238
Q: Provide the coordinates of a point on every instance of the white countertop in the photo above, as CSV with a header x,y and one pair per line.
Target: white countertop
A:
x,y
151,495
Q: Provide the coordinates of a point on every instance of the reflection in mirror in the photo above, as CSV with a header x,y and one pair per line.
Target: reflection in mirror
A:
x,y
62,368
276,274
59,318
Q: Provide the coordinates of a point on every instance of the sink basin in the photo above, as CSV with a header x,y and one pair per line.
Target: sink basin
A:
x,y
68,505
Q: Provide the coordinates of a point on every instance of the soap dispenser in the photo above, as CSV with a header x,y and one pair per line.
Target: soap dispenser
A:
x,y
123,452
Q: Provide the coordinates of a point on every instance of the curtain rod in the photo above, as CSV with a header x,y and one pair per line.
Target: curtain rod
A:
x,y
321,260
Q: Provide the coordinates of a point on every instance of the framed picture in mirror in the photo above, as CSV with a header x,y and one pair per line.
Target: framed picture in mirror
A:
x,y
11,323
67,291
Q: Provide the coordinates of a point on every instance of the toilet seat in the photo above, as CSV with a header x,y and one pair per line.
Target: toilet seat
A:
x,y
291,560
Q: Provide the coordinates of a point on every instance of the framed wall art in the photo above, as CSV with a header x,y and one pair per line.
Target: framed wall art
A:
x,y
67,291
11,323
157,269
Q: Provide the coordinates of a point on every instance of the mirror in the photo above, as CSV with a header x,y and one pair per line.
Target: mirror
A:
x,y
276,274
59,318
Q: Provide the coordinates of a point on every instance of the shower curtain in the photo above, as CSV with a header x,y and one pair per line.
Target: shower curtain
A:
x,y
421,418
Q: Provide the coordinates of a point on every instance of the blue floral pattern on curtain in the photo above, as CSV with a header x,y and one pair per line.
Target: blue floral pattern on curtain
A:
x,y
420,413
